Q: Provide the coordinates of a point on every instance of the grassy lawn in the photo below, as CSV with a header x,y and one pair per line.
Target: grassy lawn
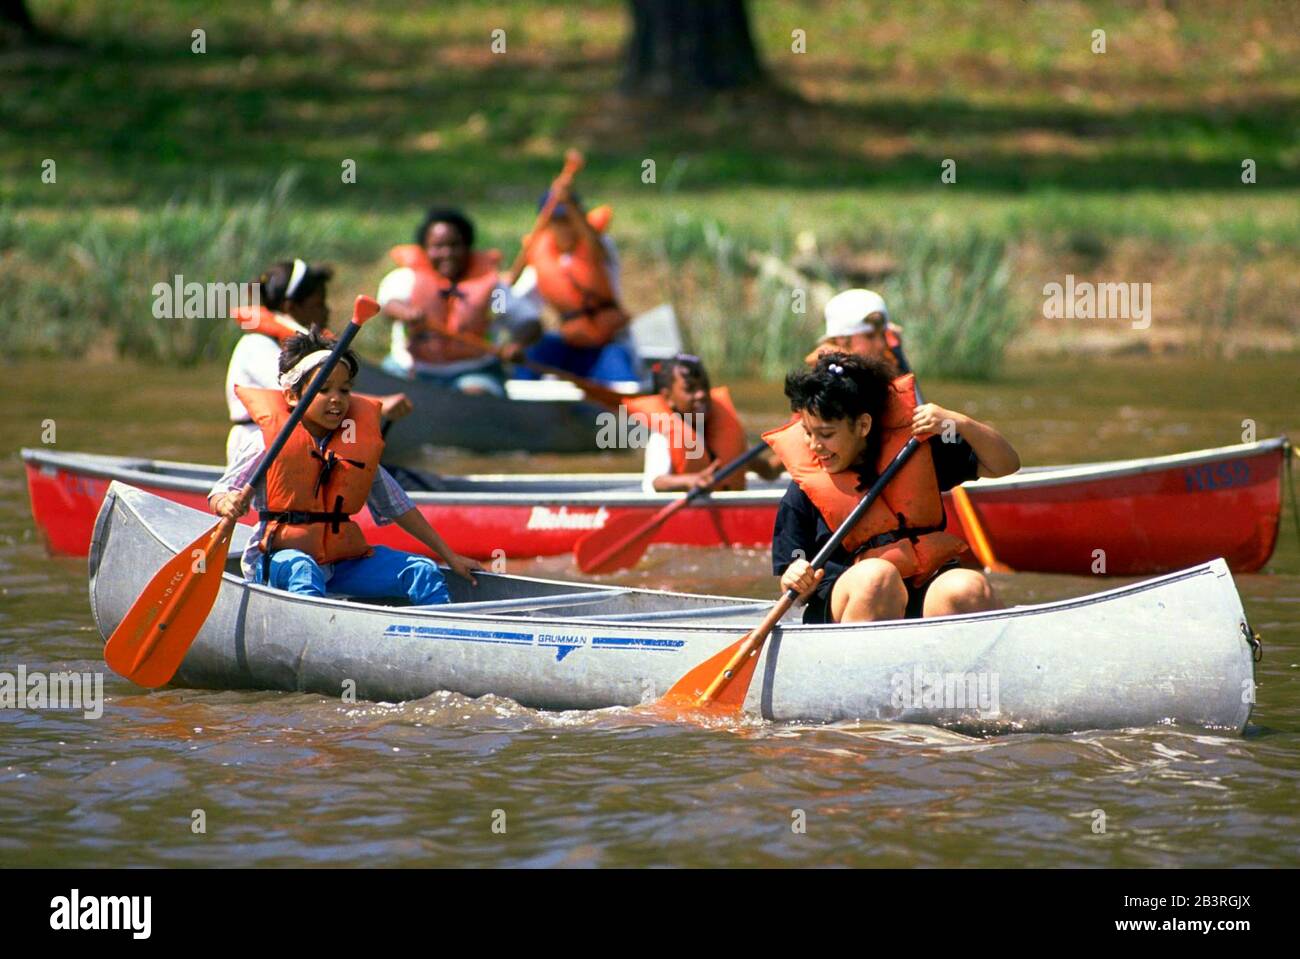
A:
x,y
1123,165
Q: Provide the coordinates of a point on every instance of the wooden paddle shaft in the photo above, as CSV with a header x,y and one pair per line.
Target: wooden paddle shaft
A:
x,y
750,647
979,540
220,536
300,409
573,162
754,642
897,463
726,471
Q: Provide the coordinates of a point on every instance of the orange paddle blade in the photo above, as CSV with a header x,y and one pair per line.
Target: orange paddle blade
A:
x,y
619,544
363,308
977,538
148,645
688,693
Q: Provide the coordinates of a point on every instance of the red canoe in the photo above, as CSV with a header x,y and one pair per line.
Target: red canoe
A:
x,y
1123,518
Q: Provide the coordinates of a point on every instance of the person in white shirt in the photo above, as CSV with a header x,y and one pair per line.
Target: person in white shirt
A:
x,y
291,300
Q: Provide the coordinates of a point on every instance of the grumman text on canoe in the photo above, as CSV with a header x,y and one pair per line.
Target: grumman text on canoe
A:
x,y
38,690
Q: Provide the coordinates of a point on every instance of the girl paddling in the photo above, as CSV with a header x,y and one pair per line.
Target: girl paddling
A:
x,y
680,456
327,472
292,295
897,562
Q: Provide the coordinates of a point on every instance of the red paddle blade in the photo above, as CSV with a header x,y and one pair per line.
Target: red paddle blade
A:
x,y
617,545
687,694
148,645
364,308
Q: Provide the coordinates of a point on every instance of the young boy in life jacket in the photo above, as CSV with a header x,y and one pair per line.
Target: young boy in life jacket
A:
x,y
573,264
443,283
327,471
291,301
896,562
857,322
679,457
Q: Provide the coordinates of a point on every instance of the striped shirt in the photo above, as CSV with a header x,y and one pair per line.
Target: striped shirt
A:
x,y
387,500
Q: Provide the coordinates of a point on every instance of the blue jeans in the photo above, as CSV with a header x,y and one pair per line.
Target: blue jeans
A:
x,y
490,378
611,363
389,574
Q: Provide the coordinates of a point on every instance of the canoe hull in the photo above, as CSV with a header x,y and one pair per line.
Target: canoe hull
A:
x,y
1145,517
480,422
1171,650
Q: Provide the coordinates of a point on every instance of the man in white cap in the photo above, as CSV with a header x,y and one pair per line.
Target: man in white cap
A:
x,y
857,321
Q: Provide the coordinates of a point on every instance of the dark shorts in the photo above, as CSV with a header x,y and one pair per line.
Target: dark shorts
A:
x,y
818,609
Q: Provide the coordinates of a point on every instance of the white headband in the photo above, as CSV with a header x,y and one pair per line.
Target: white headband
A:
x,y
295,278
304,366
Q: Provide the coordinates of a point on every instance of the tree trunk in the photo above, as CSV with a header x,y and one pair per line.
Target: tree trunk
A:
x,y
685,47
14,13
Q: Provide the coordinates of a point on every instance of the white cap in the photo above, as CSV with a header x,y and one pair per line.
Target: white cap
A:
x,y
846,313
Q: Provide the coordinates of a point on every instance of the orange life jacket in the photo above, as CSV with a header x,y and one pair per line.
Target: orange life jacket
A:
x,y
258,319
909,511
578,287
324,488
470,300
724,437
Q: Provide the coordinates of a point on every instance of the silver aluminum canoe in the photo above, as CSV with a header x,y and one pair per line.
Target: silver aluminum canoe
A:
x,y
1169,650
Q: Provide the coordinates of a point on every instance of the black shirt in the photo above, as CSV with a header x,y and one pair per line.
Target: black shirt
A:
x,y
801,531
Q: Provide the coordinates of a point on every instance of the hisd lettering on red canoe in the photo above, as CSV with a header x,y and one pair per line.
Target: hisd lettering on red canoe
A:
x,y
1217,475
543,517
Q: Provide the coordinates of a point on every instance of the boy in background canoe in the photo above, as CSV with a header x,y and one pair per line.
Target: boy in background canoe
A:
x,y
573,265
857,322
896,562
677,458
327,471
443,284
292,295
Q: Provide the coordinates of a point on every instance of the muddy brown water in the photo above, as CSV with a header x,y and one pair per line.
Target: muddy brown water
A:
x,y
297,779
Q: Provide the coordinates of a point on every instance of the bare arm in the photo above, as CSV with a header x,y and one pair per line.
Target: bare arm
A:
x,y
414,523
996,456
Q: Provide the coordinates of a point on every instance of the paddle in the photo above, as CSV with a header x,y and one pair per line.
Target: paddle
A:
x,y
622,542
970,521
573,162
720,683
151,640
595,391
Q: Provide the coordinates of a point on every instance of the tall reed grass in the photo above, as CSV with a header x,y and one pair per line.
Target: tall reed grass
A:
x,y
951,293
66,287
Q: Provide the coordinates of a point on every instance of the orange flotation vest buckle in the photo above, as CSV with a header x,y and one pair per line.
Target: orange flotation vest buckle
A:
x,y
312,492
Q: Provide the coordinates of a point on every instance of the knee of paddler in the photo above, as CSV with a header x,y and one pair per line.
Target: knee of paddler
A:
x,y
965,590
872,575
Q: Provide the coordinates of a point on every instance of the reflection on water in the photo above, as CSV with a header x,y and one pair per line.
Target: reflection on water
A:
x,y
294,779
